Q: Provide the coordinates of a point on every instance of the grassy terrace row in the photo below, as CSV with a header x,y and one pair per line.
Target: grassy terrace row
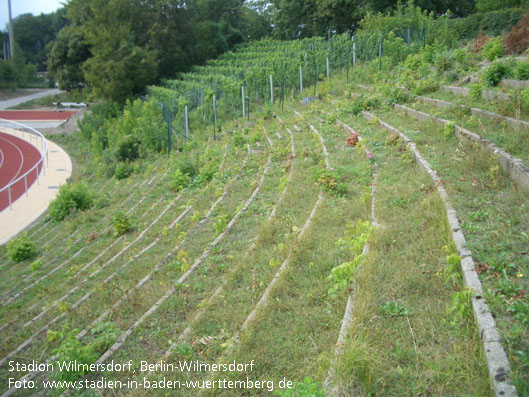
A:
x,y
244,284
295,332
401,341
44,229
161,196
511,139
76,229
159,328
93,230
86,254
170,237
85,223
495,219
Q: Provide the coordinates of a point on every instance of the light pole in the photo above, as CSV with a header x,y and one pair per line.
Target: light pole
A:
x,y
11,37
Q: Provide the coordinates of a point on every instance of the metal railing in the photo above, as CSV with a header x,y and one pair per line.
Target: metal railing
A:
x,y
24,131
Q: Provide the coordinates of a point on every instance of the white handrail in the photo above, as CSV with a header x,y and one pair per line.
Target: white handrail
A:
x,y
43,150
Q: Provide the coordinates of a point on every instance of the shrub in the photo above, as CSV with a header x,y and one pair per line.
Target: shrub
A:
x,y
71,197
179,180
122,223
522,71
187,166
238,139
36,265
480,42
493,49
475,91
128,148
21,248
207,172
123,170
496,72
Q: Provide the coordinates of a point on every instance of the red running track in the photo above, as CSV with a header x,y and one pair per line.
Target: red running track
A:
x,y
40,115
17,156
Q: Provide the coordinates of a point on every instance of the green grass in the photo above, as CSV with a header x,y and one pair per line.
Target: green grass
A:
x,y
494,219
513,140
404,339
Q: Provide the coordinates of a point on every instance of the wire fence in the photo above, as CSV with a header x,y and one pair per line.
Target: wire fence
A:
x,y
270,70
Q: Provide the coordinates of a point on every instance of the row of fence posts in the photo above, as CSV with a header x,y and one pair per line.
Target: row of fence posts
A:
x,y
246,98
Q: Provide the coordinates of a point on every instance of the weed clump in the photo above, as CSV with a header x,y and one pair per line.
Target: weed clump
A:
x,y
21,248
122,223
123,170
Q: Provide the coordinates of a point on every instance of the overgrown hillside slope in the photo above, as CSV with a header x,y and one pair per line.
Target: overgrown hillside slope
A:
x,y
321,232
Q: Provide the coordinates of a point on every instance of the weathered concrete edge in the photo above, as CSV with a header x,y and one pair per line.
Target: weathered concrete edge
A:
x,y
513,166
516,84
462,91
497,361
479,112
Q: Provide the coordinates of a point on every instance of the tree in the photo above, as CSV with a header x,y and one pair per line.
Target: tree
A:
x,y
493,5
33,33
66,56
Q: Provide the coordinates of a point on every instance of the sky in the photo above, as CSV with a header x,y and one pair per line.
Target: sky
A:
x,y
35,7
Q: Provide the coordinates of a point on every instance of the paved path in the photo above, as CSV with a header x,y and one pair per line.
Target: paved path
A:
x,y
15,101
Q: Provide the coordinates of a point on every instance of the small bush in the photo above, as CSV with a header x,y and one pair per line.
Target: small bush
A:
x,y
187,166
496,72
122,223
128,148
21,248
36,265
71,197
123,170
522,71
179,180
239,139
449,129
207,172
480,42
475,91
493,49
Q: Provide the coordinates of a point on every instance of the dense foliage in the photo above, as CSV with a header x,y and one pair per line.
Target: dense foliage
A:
x,y
71,197
21,248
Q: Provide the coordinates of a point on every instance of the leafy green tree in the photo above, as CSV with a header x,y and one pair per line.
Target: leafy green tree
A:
x,y
33,33
493,5
66,56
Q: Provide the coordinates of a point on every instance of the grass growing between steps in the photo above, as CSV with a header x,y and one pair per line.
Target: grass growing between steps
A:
x,y
402,342
494,217
104,297
295,333
506,108
513,140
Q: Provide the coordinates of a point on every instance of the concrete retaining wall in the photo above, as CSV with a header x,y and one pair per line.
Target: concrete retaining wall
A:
x,y
476,111
486,94
515,84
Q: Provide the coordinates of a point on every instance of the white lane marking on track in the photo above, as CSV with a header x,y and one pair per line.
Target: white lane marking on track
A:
x,y
21,159
1,158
